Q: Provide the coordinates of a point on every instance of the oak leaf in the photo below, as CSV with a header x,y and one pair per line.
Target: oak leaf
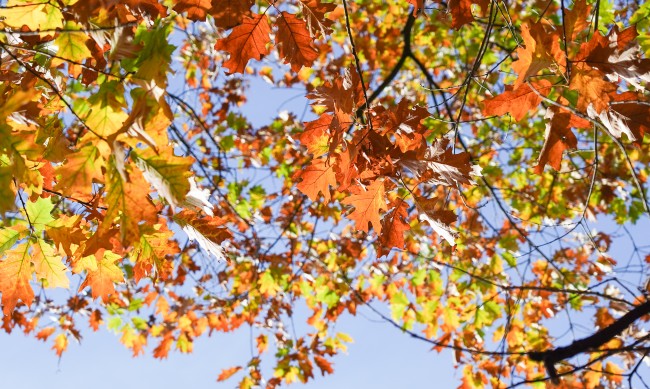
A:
x,y
518,101
103,273
316,178
368,202
394,225
15,274
230,13
558,137
294,42
196,9
246,41
541,50
576,19
314,13
431,211
208,231
593,90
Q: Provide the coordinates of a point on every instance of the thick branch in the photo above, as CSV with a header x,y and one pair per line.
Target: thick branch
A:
x,y
551,357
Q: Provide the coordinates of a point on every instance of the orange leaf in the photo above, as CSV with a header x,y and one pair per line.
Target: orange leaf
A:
x,y
60,344
367,204
592,88
323,364
394,225
102,276
294,42
518,102
227,373
316,178
314,13
196,9
246,41
576,19
558,138
15,274
542,49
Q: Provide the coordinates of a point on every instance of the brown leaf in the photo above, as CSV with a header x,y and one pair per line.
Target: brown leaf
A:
x,y
230,13
518,101
576,19
294,42
314,13
246,41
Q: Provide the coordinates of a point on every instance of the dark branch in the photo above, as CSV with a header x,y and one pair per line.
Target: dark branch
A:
x,y
551,357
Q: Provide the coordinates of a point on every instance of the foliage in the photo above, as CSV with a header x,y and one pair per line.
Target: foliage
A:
x,y
418,182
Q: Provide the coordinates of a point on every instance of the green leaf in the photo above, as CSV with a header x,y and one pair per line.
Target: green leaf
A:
x,y
39,213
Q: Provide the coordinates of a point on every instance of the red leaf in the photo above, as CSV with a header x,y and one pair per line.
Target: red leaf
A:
x,y
518,102
230,13
394,225
558,138
295,42
246,41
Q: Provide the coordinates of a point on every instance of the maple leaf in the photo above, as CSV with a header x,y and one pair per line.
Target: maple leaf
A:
x,y
314,13
15,274
316,178
227,373
294,42
617,55
196,9
207,231
246,41
593,89
394,224
103,273
36,16
439,219
518,101
127,202
576,20
230,13
60,344
49,265
72,46
440,165
167,173
558,137
151,252
368,202
541,50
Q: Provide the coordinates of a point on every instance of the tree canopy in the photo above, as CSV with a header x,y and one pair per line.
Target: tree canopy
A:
x,y
468,171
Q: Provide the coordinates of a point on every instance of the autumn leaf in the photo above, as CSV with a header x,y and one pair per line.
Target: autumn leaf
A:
x,y
15,274
314,13
394,225
152,252
127,204
80,170
208,231
72,46
517,101
316,178
323,364
593,89
430,211
227,373
576,19
246,41
541,50
167,173
558,137
60,344
439,165
49,266
295,42
196,9
230,13
368,202
103,273
35,16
